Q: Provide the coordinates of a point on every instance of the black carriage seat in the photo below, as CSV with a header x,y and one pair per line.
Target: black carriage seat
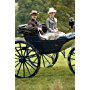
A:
x,y
25,30
31,32
25,26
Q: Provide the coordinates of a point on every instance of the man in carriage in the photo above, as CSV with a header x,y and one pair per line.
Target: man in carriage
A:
x,y
34,23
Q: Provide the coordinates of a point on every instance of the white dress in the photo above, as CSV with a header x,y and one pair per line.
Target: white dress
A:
x,y
52,36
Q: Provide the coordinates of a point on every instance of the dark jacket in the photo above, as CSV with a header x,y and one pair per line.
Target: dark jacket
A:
x,y
33,27
33,23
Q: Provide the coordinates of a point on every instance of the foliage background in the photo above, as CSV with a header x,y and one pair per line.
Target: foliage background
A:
x,y
65,9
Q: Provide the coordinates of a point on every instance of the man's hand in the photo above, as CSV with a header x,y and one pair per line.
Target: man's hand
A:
x,y
40,30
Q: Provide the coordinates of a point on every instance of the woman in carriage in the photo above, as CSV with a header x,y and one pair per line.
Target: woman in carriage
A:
x,y
51,24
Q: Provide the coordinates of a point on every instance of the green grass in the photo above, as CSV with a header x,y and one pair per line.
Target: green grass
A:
x,y
58,77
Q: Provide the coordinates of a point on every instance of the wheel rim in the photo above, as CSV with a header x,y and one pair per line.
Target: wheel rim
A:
x,y
64,54
48,60
71,60
27,61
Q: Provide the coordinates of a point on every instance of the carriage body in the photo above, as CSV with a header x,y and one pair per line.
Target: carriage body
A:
x,y
50,46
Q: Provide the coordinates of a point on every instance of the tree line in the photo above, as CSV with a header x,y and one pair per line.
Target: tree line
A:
x,y
65,9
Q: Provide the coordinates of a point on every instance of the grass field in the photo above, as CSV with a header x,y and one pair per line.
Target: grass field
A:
x,y
58,77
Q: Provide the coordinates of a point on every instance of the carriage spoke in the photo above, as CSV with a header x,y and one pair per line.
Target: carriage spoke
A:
x,y
32,62
17,47
63,53
73,65
73,52
29,51
50,57
20,48
53,55
16,58
16,61
30,65
27,68
35,60
46,59
73,55
16,55
23,70
17,64
33,55
19,69
43,61
72,58
24,52
17,51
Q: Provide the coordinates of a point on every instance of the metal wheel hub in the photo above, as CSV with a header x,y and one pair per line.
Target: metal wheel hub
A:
x,y
22,59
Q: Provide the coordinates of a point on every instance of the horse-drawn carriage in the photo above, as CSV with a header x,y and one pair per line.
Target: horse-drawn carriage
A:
x,y
31,50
